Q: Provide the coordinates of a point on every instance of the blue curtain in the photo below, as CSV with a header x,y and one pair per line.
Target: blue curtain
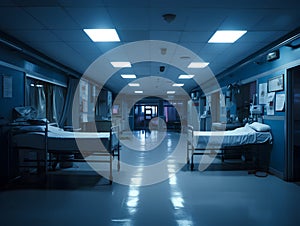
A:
x,y
66,117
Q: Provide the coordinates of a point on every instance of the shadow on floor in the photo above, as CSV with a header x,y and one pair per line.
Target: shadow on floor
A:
x,y
81,180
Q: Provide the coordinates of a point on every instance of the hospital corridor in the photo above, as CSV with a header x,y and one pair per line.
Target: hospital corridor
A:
x,y
137,113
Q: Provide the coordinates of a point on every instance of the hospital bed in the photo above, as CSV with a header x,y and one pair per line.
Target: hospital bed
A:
x,y
215,143
49,142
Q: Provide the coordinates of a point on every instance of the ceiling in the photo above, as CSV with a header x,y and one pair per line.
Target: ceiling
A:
x,y
55,28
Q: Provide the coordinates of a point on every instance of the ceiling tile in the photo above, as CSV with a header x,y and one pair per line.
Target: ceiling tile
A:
x,y
169,36
87,50
34,36
22,3
8,20
205,19
66,56
81,3
71,35
241,19
95,17
52,17
133,35
193,37
130,18
6,3
107,46
278,19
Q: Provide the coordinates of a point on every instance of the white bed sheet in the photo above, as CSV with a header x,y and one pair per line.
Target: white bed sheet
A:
x,y
238,137
60,140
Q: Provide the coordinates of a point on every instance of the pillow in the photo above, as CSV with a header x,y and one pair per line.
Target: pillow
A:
x,y
259,127
37,121
54,129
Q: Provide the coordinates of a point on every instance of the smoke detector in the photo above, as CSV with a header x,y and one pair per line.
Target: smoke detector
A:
x,y
169,17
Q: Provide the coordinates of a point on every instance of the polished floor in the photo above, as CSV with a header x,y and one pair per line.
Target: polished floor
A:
x,y
184,197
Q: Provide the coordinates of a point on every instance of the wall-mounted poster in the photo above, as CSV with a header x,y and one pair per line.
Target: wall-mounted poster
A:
x,y
276,83
280,99
270,103
7,86
262,93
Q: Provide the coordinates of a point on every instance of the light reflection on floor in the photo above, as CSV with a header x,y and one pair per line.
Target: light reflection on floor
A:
x,y
186,198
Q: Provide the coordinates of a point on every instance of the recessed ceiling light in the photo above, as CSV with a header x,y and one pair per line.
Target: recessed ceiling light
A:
x,y
185,76
128,76
138,91
134,84
198,64
171,92
178,84
120,64
226,36
102,35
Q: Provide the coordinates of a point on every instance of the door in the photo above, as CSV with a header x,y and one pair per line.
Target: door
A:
x,y
143,115
293,124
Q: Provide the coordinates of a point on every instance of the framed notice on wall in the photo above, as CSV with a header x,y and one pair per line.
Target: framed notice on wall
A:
x,y
276,83
7,86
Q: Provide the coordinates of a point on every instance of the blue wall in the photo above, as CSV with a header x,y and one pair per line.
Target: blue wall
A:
x,y
277,123
7,104
262,71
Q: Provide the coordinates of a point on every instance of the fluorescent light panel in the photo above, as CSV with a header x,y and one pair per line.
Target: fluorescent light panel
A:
x,y
120,64
226,36
198,64
178,84
138,91
185,76
134,84
128,76
102,35
171,92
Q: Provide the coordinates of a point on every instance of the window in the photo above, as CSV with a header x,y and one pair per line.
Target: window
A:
x,y
48,99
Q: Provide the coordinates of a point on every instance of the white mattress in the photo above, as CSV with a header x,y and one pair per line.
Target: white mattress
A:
x,y
60,140
238,137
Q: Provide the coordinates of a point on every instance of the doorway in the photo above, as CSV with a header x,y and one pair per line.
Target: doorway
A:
x,y
293,124
143,115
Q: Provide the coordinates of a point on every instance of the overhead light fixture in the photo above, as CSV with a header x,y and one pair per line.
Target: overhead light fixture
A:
x,y
128,75
226,36
198,64
138,91
186,76
102,35
120,64
171,92
134,84
178,84
273,55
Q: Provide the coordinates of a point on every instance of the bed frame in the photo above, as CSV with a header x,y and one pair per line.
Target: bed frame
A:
x,y
220,151
47,159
